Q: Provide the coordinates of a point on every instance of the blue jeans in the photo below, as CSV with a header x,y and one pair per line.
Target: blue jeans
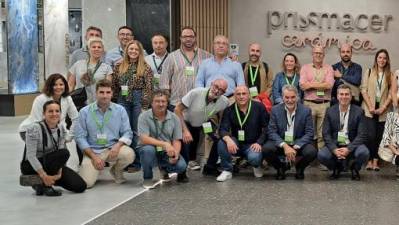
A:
x,y
133,110
359,155
148,158
254,158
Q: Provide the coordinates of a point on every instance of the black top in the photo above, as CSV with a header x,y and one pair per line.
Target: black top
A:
x,y
255,127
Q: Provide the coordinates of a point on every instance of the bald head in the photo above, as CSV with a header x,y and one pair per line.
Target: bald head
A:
x,y
345,52
318,55
255,52
218,88
221,46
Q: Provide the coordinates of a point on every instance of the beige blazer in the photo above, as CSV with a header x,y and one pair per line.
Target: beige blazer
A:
x,y
369,86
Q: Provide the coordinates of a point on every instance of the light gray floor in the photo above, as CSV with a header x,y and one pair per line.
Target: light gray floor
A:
x,y
19,205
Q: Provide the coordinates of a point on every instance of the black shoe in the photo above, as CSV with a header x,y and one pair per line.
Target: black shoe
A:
x,y
299,175
280,174
355,174
182,177
50,191
335,175
210,171
38,189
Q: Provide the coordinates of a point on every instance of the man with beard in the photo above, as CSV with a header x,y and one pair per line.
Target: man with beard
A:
x,y
347,72
258,76
180,67
114,56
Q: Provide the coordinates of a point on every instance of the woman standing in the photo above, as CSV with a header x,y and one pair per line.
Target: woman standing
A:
x,y
46,154
132,84
289,75
377,99
85,73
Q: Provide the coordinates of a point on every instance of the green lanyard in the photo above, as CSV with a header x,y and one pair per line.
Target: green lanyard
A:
x,y
107,116
293,79
186,58
208,114
252,75
379,83
246,116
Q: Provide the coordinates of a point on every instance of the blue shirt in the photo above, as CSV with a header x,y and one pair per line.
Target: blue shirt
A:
x,y
228,70
278,84
116,129
113,56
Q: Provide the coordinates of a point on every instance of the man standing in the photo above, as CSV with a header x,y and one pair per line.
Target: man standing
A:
x,y
114,56
258,76
220,66
347,72
104,136
180,67
157,58
82,53
242,132
160,134
290,134
317,80
344,133
194,112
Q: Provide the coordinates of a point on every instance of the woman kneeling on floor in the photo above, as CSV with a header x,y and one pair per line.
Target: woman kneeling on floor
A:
x,y
389,147
46,154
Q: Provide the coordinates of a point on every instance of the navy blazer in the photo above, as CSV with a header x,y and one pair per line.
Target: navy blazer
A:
x,y
357,133
303,125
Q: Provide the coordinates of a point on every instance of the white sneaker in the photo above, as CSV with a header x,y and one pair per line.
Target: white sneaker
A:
x,y
117,175
193,165
258,172
150,183
225,175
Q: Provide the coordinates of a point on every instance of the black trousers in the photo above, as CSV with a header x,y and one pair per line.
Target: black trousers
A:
x,y
375,130
190,149
52,163
305,155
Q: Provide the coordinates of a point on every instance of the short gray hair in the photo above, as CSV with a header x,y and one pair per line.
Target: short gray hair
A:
x,y
290,87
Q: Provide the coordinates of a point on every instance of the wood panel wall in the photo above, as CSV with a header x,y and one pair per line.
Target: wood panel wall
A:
x,y
208,18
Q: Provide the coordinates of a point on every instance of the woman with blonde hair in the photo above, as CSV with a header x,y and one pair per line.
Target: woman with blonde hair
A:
x,y
132,84
376,102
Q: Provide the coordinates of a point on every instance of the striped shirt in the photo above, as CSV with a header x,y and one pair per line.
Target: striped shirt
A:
x,y
173,75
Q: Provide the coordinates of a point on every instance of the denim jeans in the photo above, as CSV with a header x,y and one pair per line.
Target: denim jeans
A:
x,y
359,156
254,158
133,110
148,158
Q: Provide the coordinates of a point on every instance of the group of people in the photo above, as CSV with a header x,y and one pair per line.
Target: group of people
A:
x,y
159,109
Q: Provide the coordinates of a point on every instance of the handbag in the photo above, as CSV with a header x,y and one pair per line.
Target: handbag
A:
x,y
79,97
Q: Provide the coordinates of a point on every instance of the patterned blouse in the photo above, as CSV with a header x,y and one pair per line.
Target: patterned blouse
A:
x,y
134,82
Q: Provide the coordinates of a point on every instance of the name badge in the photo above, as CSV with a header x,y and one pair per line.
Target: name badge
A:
x,y
125,90
189,71
241,135
253,91
159,149
320,93
342,138
289,137
378,99
156,78
102,139
207,127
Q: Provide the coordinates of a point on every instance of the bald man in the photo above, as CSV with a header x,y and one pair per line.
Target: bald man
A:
x,y
243,131
257,74
194,111
316,81
347,72
220,66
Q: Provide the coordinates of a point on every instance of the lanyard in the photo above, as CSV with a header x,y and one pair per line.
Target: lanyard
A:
x,y
159,68
186,58
344,71
246,116
252,75
90,72
55,143
379,81
342,117
288,82
157,127
290,120
319,74
107,116
208,114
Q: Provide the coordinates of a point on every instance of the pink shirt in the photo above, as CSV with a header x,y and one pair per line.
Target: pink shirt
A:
x,y
310,74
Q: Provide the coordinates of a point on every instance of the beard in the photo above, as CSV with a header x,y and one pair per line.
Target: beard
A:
x,y
346,59
254,58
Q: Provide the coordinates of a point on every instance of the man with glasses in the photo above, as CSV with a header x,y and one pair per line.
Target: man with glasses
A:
x,y
82,53
316,81
243,131
180,67
194,112
220,66
114,56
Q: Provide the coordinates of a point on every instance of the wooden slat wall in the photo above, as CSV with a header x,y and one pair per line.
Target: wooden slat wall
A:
x,y
208,18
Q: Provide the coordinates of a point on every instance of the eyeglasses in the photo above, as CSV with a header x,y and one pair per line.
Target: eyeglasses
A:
x,y
218,89
125,34
318,53
187,37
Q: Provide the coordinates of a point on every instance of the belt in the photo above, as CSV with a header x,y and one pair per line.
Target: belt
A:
x,y
318,101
